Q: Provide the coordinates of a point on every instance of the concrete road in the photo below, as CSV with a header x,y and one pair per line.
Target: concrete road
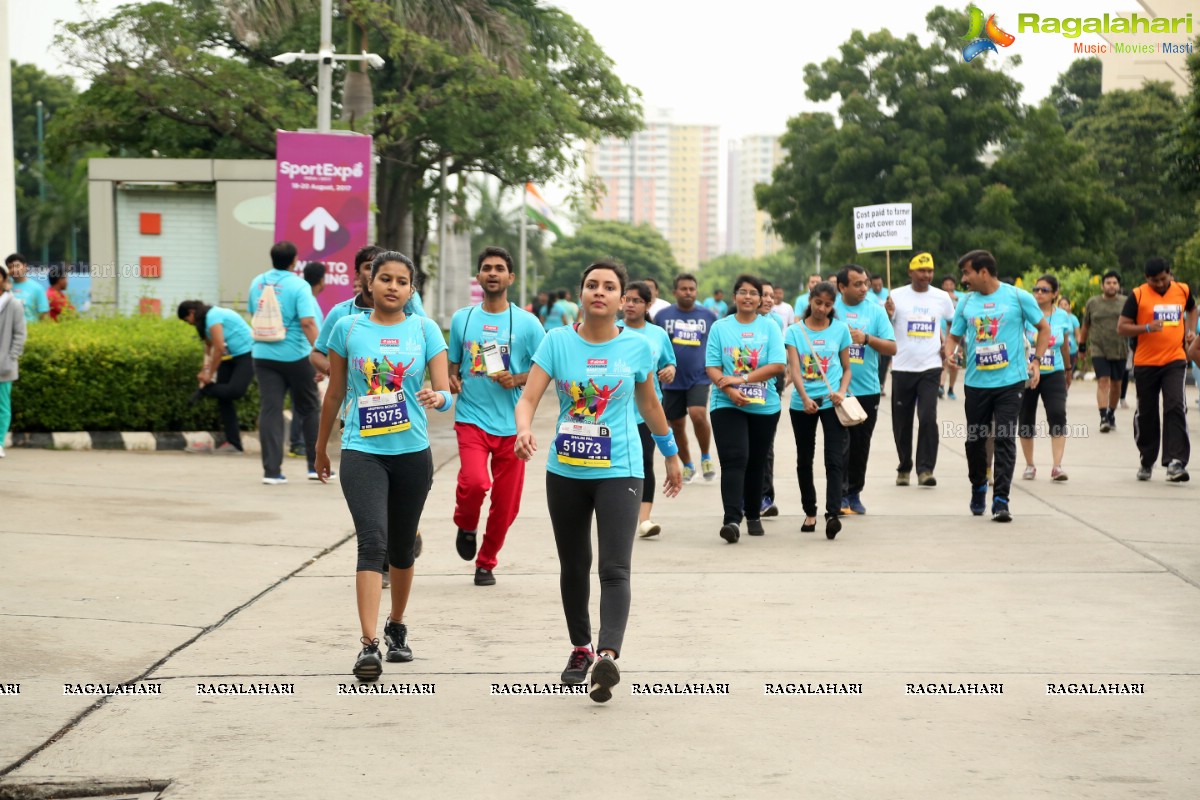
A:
x,y
822,665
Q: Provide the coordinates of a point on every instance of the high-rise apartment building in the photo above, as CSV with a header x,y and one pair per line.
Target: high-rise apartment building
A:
x,y
1165,56
665,175
751,161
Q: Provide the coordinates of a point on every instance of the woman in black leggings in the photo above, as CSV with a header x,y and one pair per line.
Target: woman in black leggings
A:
x,y
1053,383
601,375
818,349
743,357
228,366
377,367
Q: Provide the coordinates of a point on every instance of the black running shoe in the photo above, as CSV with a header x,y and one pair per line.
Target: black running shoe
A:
x,y
605,675
1000,512
396,636
484,577
730,532
979,500
1176,472
369,666
465,544
754,527
578,664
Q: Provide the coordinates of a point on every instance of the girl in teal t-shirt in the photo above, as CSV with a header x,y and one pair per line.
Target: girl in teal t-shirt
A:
x,y
228,366
819,345
635,319
600,374
742,358
1053,383
377,366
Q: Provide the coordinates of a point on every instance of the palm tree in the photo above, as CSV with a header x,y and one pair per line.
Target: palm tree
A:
x,y
65,209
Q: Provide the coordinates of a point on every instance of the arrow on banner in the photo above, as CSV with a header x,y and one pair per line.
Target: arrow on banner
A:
x,y
320,222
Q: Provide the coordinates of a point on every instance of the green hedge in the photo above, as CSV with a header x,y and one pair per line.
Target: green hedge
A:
x,y
115,374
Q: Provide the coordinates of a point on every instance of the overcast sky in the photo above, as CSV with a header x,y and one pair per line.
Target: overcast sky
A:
x,y
739,67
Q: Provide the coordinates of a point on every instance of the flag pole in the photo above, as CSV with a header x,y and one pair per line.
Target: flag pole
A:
x,y
521,255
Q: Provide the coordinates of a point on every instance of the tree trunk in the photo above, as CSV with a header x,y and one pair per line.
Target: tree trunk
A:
x,y
395,188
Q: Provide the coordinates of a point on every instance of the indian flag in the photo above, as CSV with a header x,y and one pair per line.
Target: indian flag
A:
x,y
539,211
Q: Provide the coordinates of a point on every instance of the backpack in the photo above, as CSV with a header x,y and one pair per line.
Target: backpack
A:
x,y
267,321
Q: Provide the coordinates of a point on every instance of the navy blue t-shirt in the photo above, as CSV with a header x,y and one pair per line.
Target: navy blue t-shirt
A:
x,y
688,331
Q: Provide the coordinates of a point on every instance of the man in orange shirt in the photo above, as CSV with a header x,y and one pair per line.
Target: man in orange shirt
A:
x,y
57,293
1161,313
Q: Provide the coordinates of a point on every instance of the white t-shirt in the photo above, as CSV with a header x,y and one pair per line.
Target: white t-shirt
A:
x,y
918,326
786,313
657,306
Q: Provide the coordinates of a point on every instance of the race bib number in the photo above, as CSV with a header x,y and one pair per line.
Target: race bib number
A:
x,y
688,337
921,327
382,413
991,356
583,445
1170,315
493,357
756,393
856,353
1047,364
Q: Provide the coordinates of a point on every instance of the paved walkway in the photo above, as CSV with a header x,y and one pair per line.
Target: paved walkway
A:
x,y
176,570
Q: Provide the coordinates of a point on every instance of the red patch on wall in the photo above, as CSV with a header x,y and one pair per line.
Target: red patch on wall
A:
x,y
150,267
150,224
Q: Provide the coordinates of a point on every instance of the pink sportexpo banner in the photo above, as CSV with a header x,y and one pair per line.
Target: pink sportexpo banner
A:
x,y
322,203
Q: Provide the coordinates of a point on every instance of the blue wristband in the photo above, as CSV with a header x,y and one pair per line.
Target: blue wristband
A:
x,y
666,444
449,400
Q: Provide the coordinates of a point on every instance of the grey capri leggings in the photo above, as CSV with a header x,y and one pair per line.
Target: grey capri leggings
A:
x,y
614,502
386,495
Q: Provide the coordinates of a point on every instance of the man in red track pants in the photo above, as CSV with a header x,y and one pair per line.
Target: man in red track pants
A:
x,y
491,349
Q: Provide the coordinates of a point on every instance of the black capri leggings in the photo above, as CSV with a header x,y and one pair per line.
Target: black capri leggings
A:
x,y
233,381
648,448
1052,388
386,495
614,503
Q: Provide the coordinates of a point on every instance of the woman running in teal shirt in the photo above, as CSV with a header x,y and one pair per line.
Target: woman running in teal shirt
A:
x,y
602,376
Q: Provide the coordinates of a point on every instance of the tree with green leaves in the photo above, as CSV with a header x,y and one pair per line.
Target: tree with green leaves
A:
x,y
189,78
1076,91
1127,133
56,93
493,224
641,249
920,125
788,268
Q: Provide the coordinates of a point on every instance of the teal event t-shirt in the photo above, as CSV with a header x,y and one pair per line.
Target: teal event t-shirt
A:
x,y
295,302
477,339
385,368
871,319
739,348
596,433
33,295
342,309
1060,328
239,338
662,355
992,327
823,356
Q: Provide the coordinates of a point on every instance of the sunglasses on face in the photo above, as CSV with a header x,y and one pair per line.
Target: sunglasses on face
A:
x,y
1042,289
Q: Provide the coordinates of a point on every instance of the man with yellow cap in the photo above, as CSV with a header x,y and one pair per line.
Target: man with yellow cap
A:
x,y
919,315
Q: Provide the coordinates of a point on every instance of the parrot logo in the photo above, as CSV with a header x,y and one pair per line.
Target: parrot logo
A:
x,y
983,36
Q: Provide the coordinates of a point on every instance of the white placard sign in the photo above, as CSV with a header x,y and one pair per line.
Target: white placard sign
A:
x,y
883,227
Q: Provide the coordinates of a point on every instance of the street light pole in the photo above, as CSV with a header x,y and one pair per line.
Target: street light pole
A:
x,y
325,69
8,177
41,137
325,58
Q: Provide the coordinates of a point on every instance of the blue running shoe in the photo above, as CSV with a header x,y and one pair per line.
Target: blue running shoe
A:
x,y
979,500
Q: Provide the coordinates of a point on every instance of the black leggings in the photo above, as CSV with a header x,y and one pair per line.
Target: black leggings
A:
x,y
386,495
648,448
1052,388
614,502
743,441
233,381
804,429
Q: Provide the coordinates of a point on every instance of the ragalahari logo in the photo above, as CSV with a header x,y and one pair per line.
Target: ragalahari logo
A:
x,y
982,36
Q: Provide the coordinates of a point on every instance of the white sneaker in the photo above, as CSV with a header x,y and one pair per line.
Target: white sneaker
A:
x,y
1,452
648,528
278,480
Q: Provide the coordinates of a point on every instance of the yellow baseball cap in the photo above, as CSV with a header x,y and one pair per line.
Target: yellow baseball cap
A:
x,y
921,261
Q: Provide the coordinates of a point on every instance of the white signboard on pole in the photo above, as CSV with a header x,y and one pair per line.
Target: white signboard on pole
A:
x,y
883,227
